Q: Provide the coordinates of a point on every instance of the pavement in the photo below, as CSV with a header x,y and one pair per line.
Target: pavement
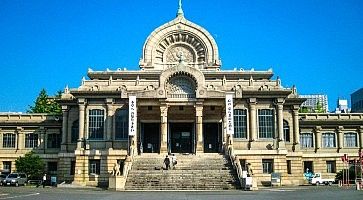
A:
x,y
281,193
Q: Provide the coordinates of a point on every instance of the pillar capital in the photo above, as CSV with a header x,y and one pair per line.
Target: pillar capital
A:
x,y
252,101
339,129
109,101
65,108
317,129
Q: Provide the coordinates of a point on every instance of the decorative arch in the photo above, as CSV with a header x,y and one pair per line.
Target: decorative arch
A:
x,y
179,34
182,79
181,85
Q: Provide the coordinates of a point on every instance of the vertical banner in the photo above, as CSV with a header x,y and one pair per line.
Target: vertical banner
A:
x,y
229,114
132,115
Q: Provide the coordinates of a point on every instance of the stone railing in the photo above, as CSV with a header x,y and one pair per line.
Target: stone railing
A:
x,y
331,116
235,163
9,117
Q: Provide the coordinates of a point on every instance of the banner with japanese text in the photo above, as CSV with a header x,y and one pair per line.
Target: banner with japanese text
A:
x,y
229,114
132,115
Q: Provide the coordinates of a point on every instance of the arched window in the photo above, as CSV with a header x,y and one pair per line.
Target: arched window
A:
x,y
286,131
122,124
75,131
96,124
181,86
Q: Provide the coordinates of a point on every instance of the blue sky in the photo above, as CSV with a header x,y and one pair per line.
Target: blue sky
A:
x,y
316,45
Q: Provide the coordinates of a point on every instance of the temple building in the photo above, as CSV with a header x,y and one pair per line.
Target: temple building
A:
x,y
181,101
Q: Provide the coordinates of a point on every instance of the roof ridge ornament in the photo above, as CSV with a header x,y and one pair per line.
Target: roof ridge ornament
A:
x,y
180,9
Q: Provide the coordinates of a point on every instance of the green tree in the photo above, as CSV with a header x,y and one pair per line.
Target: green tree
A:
x,y
303,110
31,164
319,108
46,104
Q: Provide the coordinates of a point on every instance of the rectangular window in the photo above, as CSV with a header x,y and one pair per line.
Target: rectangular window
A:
x,y
306,140
350,139
288,163
122,124
328,140
330,166
73,167
6,167
31,140
96,124
240,123
54,140
9,140
94,167
74,131
52,167
265,123
308,167
286,131
267,166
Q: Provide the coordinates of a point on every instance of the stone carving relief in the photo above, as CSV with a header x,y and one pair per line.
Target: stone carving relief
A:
x,y
174,54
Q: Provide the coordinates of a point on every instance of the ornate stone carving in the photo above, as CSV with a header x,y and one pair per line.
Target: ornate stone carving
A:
x,y
174,54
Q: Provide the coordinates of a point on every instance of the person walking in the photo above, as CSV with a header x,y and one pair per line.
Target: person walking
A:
x,y
167,162
173,160
44,180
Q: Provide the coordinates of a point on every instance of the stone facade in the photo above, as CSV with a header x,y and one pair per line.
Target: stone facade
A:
x,y
181,90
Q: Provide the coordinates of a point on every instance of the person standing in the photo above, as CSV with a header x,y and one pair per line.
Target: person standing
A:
x,y
167,162
44,180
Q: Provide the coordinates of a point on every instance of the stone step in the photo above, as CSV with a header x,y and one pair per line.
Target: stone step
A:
x,y
193,172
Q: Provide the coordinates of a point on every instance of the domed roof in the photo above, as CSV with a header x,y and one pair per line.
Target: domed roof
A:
x,y
180,39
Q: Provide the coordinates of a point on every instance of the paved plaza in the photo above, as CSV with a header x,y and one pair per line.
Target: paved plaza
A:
x,y
309,192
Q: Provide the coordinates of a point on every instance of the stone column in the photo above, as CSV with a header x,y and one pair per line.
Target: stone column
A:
x,y
42,138
253,119
109,122
164,128
340,137
199,127
81,138
20,141
64,128
317,132
280,124
360,133
296,127
225,142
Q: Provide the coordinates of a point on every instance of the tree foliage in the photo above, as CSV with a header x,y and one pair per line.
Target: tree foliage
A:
x,y
46,104
31,164
319,108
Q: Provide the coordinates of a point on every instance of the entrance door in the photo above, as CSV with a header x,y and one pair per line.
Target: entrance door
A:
x,y
181,137
150,137
211,139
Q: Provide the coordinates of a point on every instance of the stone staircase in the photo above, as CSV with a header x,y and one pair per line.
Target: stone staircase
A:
x,y
193,172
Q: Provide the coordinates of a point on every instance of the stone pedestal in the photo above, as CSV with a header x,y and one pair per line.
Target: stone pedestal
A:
x,y
116,182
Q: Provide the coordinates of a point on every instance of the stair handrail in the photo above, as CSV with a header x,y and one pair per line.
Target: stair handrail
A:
x,y
235,163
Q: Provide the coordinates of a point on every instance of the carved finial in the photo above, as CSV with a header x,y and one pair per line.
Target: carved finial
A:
x,y
66,90
83,80
251,81
294,90
180,10
278,81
